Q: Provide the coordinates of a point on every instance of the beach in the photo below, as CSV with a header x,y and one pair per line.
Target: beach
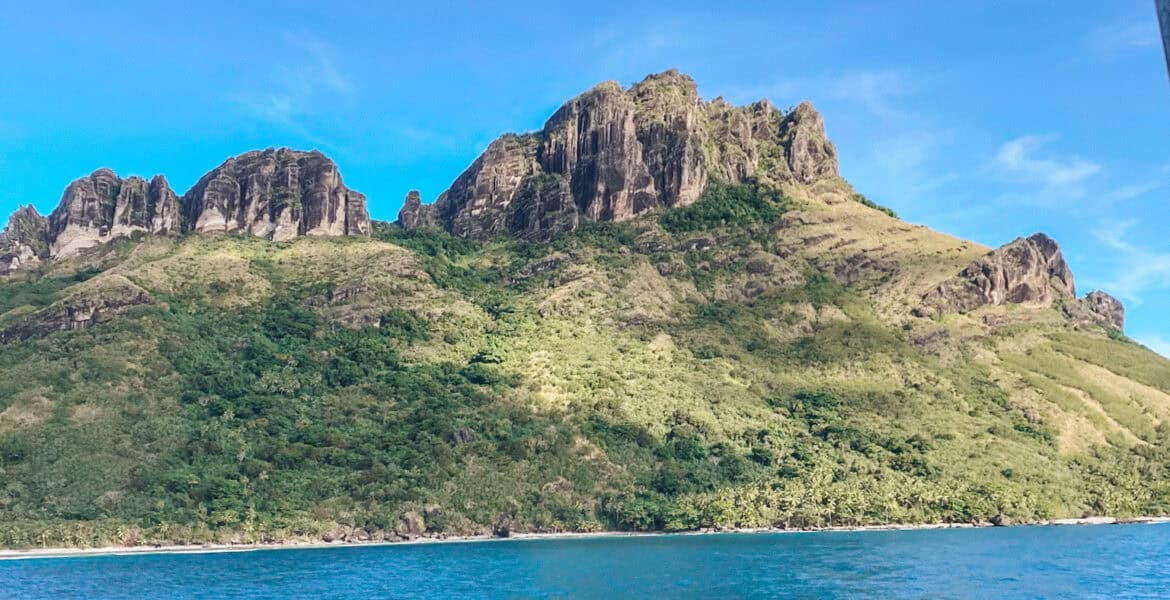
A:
x,y
42,553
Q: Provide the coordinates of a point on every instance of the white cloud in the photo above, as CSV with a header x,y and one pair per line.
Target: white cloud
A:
x,y
1129,192
903,162
1018,161
892,148
875,90
904,139
321,70
1155,342
307,82
1123,37
621,48
1139,269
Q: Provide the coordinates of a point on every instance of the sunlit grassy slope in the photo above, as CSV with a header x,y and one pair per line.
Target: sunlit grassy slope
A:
x,y
750,361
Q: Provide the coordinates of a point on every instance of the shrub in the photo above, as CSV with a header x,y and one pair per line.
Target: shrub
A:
x,y
861,199
727,205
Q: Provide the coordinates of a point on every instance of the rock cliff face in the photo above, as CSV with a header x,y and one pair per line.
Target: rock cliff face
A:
x,y
810,155
413,214
478,202
276,194
612,154
103,206
1025,271
92,302
1107,309
22,243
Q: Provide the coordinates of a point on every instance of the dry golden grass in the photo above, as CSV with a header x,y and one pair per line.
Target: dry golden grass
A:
x,y
27,409
198,268
833,229
1153,402
83,414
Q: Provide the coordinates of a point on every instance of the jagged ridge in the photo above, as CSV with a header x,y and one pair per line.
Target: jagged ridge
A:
x,y
1028,270
612,154
275,194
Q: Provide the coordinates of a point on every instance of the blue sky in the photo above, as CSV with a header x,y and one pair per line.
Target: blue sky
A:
x,y
987,120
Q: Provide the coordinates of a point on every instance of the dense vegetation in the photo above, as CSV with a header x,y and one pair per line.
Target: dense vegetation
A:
x,y
538,387
723,205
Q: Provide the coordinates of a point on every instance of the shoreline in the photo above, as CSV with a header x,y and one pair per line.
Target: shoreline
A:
x,y
38,553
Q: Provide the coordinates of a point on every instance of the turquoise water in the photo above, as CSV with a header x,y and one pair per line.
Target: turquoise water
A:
x,y
1025,562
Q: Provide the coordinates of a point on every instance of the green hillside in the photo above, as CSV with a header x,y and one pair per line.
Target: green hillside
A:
x,y
749,361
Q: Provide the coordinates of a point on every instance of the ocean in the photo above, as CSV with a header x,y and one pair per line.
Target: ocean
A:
x,y
1109,561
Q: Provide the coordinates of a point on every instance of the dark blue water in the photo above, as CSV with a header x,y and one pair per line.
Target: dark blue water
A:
x,y
1026,562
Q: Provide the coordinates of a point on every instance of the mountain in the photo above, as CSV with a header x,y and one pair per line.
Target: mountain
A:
x,y
613,154
655,313
275,194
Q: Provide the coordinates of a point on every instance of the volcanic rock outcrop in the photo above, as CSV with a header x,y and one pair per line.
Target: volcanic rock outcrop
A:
x,y
276,194
23,241
95,301
1025,271
1100,308
412,215
612,154
103,206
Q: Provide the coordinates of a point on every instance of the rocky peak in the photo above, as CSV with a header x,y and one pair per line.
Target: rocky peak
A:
x,y
145,206
1108,310
103,206
276,194
623,152
23,241
479,202
592,141
671,123
739,137
413,214
810,154
1025,271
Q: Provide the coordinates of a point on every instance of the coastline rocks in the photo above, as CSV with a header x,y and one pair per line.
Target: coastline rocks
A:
x,y
503,526
410,526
